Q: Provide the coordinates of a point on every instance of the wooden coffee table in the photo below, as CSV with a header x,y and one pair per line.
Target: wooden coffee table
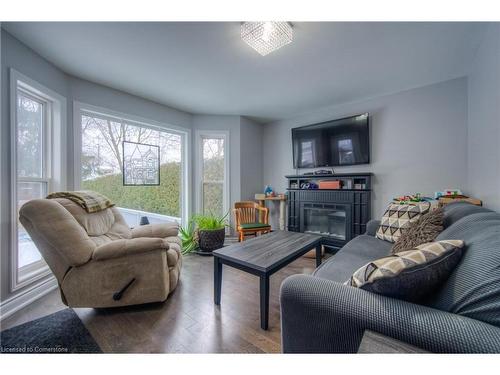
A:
x,y
262,256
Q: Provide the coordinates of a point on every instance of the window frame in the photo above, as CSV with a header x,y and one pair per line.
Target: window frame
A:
x,y
80,108
226,198
53,167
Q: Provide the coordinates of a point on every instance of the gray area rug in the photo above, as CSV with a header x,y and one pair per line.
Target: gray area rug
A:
x,y
61,332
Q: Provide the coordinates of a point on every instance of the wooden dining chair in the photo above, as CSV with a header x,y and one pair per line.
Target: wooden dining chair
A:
x,y
251,219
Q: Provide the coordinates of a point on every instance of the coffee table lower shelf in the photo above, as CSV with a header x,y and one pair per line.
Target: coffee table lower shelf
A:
x,y
262,257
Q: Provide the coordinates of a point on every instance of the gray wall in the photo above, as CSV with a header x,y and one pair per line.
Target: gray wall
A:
x,y
252,162
484,121
418,141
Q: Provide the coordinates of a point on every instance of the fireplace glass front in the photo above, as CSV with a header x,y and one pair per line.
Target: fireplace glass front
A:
x,y
325,219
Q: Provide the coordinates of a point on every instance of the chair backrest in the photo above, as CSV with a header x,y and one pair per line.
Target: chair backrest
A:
x,y
247,210
65,234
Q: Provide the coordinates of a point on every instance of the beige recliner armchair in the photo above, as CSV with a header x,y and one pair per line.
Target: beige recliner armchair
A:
x,y
97,260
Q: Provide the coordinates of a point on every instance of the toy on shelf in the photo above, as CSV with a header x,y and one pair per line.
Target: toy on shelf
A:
x,y
309,185
411,199
450,193
269,192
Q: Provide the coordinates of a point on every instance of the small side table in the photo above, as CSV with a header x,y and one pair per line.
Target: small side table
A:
x,y
282,200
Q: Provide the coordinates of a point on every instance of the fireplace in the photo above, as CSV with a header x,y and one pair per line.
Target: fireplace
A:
x,y
338,215
329,220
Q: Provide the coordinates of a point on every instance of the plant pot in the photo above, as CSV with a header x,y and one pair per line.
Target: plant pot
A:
x,y
210,240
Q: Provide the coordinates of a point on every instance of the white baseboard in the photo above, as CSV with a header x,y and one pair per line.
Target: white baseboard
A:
x,y
23,299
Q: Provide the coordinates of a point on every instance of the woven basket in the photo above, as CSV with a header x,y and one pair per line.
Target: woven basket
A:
x,y
210,240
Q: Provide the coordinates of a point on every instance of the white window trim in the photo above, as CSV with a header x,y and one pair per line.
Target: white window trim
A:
x,y
56,120
199,134
79,108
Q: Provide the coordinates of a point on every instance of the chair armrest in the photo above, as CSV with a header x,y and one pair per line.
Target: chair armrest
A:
x,y
322,316
156,230
372,227
266,213
125,247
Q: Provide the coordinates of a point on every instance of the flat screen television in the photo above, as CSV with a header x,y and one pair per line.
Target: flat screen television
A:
x,y
341,142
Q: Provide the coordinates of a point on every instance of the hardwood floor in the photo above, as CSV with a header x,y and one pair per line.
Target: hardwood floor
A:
x,y
188,322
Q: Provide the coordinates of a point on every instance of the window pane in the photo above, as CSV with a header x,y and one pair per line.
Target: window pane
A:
x,y
213,175
30,119
213,159
102,165
27,251
213,198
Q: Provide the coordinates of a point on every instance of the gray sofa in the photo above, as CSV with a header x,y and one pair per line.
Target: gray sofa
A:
x,y
321,315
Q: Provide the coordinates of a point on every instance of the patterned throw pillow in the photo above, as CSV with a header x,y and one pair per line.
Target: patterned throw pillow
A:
x,y
397,218
424,230
412,274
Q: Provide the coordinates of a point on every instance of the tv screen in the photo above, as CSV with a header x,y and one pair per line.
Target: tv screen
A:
x,y
333,143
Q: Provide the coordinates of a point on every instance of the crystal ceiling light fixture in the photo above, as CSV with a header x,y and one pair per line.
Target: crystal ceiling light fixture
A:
x,y
266,37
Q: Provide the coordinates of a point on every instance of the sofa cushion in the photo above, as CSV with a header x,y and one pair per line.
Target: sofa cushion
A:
x,y
473,288
457,210
357,252
397,218
409,275
424,230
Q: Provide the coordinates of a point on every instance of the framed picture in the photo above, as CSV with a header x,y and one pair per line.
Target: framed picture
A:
x,y
141,164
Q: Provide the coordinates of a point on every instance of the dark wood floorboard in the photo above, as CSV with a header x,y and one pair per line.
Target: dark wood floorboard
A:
x,y
188,322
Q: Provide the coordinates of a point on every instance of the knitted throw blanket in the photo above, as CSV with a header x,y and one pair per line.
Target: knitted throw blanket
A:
x,y
90,201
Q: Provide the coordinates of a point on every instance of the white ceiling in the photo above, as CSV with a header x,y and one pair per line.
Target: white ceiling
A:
x,y
204,67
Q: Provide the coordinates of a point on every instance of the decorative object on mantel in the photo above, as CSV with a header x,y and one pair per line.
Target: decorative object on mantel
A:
x,y
309,185
330,184
141,164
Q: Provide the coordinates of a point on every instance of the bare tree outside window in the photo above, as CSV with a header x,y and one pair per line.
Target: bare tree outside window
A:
x,y
102,163
213,175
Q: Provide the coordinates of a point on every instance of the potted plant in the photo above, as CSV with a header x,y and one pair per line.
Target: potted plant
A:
x,y
211,231
188,238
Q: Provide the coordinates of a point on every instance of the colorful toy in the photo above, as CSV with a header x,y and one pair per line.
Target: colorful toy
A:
x,y
447,193
269,192
411,199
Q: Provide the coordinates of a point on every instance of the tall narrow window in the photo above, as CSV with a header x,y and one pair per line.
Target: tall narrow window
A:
x,y
33,177
213,173
37,162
